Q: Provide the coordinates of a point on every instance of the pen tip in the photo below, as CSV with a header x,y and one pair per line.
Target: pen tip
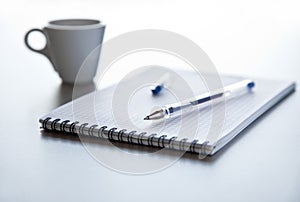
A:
x,y
147,118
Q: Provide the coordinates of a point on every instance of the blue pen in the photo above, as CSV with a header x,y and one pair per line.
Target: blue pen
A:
x,y
160,84
157,89
171,110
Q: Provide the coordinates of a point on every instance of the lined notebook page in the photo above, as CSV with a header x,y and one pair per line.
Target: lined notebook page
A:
x,y
213,123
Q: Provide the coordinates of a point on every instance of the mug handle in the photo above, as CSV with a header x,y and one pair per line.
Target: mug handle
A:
x,y
43,51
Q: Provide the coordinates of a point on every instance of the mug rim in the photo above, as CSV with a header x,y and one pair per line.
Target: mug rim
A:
x,y
74,24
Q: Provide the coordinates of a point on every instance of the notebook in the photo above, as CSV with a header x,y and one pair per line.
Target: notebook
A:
x,y
115,115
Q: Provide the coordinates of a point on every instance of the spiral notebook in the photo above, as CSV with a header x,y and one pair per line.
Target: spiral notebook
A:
x,y
112,115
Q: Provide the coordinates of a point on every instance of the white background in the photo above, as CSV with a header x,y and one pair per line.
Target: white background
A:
x,y
256,38
241,37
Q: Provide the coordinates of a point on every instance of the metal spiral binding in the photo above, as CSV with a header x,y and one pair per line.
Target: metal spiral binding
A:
x,y
81,128
63,125
111,132
129,137
72,127
182,144
163,138
192,147
203,148
44,123
53,124
171,141
91,130
121,135
150,139
102,131
140,138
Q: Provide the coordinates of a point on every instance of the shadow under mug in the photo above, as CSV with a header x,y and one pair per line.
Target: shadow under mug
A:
x,y
72,45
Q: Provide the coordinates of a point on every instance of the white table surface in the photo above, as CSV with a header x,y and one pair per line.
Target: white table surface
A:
x,y
257,39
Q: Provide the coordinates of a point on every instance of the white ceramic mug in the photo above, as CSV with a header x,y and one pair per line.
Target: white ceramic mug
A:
x,y
72,44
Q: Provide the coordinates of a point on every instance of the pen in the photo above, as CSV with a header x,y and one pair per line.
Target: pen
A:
x,y
156,89
172,110
160,84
